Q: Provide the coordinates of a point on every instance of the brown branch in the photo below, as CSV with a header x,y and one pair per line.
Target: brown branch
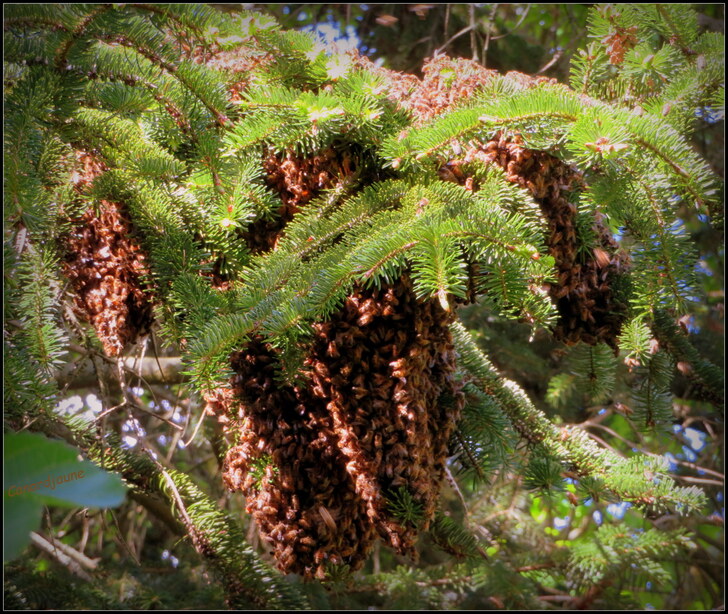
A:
x,y
594,592
65,48
535,567
80,557
82,374
556,57
70,563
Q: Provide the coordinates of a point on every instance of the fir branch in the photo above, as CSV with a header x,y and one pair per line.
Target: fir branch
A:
x,y
79,29
652,402
195,18
618,548
196,79
125,141
217,538
709,377
41,334
572,445
453,538
663,243
659,143
27,393
208,354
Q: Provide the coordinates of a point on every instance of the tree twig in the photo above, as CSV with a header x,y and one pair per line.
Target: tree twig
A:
x,y
153,370
80,557
70,563
455,36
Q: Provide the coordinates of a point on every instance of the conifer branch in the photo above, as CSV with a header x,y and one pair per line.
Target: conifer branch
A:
x,y
709,377
77,32
571,445
300,231
247,580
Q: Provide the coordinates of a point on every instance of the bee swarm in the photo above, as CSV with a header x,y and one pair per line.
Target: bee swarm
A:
x,y
297,181
583,295
318,462
106,267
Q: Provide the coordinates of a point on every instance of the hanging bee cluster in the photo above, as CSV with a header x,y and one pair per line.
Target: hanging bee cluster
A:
x,y
445,82
297,180
106,267
323,462
320,463
583,293
287,464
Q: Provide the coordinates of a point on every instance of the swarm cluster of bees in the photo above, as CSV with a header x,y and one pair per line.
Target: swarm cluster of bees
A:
x,y
320,462
445,82
588,310
297,180
583,293
107,269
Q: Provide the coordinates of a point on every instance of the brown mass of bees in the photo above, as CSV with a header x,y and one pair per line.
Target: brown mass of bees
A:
x,y
583,294
106,268
297,181
318,462
445,82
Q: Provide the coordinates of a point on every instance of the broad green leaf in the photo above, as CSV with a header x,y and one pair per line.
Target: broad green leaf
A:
x,y
39,471
22,515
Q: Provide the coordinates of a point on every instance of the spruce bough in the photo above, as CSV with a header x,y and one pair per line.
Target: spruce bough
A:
x,y
304,227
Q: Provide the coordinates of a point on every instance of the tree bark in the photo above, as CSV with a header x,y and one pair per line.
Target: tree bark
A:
x,y
83,374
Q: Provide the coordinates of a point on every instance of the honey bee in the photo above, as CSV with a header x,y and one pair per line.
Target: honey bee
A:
x,y
327,517
307,541
602,258
320,556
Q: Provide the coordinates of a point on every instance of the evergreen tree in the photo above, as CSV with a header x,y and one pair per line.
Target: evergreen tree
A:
x,y
324,261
